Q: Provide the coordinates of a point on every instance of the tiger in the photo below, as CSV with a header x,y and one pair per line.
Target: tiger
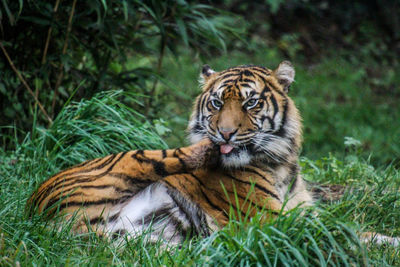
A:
x,y
245,134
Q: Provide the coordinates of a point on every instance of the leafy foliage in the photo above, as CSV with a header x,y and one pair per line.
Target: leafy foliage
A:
x,y
307,28
56,46
94,128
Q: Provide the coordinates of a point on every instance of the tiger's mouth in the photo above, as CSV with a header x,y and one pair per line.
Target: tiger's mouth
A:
x,y
226,149
231,149
234,156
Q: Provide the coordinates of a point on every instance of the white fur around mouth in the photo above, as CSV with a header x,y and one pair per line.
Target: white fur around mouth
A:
x,y
234,160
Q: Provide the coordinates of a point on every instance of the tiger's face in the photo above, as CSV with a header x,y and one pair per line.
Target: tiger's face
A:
x,y
247,113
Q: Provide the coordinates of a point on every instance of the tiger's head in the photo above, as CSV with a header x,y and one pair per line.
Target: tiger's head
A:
x,y
246,111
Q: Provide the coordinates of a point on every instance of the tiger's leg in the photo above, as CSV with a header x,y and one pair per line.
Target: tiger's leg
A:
x,y
163,209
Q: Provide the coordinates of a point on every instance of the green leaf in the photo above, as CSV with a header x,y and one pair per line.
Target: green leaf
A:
x,y
182,30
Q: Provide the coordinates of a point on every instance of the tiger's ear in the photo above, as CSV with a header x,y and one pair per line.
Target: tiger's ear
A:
x,y
284,73
205,74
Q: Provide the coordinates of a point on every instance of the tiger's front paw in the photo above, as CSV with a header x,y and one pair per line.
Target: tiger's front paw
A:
x,y
203,153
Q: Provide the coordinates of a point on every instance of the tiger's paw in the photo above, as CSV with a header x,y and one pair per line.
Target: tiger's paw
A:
x,y
203,153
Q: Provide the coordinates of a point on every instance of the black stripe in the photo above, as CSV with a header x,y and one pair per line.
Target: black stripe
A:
x,y
114,217
53,186
262,70
234,69
250,94
116,161
265,190
261,77
199,105
180,203
179,152
68,194
248,73
205,195
197,127
228,75
245,135
184,166
280,92
212,129
217,195
281,132
72,180
118,234
159,168
103,201
107,160
136,154
212,205
164,153
258,173
38,195
215,207
275,104
131,179
102,165
96,220
271,122
56,208
200,117
264,92
86,163
248,81
118,189
228,81
155,216
224,85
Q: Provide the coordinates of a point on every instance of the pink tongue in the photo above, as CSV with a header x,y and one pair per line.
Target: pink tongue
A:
x,y
225,149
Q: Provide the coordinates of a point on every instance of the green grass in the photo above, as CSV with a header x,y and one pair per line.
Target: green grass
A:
x,y
325,235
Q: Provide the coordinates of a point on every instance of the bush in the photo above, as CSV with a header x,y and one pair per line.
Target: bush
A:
x,y
307,28
62,46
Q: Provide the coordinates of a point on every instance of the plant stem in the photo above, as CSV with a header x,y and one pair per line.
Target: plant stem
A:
x,y
64,51
159,65
46,47
25,83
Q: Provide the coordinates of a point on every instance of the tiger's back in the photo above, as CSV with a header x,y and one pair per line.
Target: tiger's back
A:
x,y
95,191
243,121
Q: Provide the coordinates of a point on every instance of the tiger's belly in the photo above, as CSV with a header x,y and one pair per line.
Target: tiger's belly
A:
x,y
160,211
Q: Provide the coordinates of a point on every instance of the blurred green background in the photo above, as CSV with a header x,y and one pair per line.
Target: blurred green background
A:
x,y
345,54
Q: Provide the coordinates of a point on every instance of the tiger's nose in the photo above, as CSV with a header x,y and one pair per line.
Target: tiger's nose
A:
x,y
227,133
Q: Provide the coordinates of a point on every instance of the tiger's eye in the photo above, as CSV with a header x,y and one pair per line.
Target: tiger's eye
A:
x,y
251,103
216,103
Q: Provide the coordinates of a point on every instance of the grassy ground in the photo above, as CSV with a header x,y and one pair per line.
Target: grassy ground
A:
x,y
336,101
